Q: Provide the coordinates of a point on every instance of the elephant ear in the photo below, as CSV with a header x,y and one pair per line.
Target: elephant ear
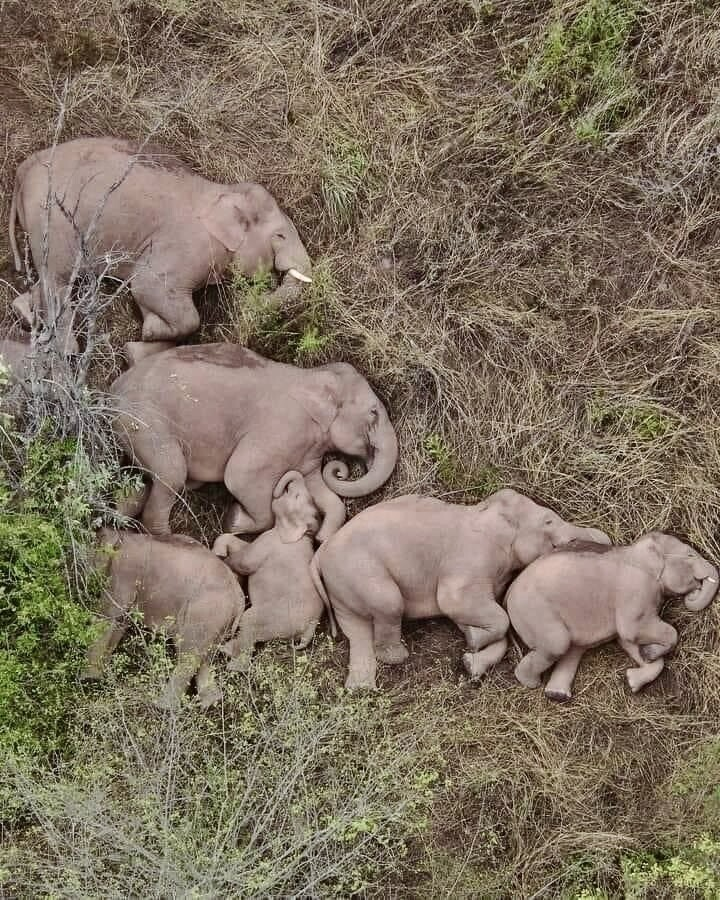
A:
x,y
226,221
320,399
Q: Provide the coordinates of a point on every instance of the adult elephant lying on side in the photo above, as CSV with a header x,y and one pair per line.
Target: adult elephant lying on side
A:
x,y
137,213
219,412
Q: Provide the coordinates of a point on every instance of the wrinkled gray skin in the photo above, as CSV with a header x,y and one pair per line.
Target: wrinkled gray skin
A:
x,y
567,602
416,557
177,584
219,412
171,230
283,600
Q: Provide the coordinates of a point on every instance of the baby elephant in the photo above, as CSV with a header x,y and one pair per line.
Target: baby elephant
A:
x,y
416,557
178,584
574,599
284,602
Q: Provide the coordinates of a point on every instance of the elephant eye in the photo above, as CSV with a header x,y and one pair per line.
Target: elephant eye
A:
x,y
374,412
281,236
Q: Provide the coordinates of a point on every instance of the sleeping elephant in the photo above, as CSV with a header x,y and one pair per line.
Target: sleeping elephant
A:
x,y
136,212
416,557
221,413
284,602
572,600
178,585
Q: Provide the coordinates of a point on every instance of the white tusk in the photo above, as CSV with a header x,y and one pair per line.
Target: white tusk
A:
x,y
711,580
299,276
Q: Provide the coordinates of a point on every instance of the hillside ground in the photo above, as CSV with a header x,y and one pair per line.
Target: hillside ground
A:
x,y
513,211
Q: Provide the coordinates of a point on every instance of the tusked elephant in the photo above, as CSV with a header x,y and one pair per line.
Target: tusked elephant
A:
x,y
416,557
140,214
177,584
221,413
284,602
569,601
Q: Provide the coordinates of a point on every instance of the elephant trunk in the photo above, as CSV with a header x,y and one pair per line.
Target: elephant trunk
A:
x,y
700,598
383,459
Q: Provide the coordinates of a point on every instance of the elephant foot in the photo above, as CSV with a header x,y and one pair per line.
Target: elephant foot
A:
x,y
558,695
477,664
392,654
526,679
638,677
209,696
360,681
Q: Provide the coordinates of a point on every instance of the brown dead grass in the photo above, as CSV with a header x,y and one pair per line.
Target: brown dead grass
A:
x,y
506,287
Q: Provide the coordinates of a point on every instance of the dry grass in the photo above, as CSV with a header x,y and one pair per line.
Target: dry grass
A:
x,y
537,299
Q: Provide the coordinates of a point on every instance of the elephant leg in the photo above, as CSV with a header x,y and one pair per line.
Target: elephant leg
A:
x,y
531,667
645,672
240,648
168,481
389,646
362,666
657,641
559,686
483,622
168,312
208,691
188,663
102,648
252,511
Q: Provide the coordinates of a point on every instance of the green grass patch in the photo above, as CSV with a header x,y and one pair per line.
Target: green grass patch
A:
x,y
476,482
640,421
583,65
343,176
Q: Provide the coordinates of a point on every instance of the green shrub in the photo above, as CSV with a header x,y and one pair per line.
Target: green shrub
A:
x,y
45,596
293,789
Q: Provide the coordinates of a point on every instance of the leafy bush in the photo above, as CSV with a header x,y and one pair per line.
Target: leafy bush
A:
x,y
45,596
295,789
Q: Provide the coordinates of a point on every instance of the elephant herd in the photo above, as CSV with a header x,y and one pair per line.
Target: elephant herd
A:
x,y
191,415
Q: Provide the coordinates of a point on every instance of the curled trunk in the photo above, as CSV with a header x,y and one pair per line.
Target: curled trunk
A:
x,y
703,596
383,460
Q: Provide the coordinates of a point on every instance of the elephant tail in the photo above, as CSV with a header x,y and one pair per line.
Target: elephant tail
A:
x,y
11,229
320,588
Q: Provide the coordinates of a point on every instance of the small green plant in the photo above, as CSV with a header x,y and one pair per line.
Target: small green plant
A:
x,y
637,420
582,65
477,483
692,871
344,173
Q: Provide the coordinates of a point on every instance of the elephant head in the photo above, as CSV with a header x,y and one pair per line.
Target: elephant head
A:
x,y
681,570
256,233
536,529
360,428
295,512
